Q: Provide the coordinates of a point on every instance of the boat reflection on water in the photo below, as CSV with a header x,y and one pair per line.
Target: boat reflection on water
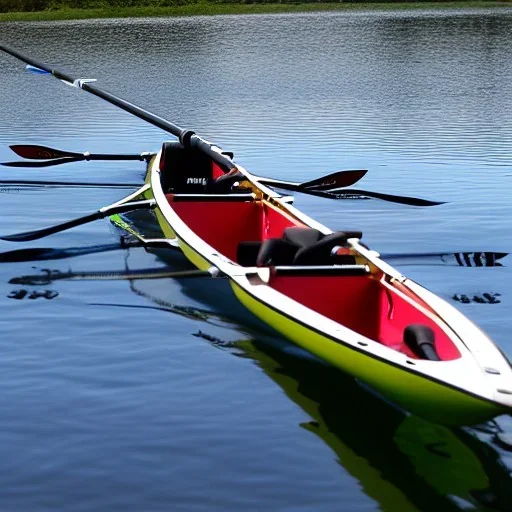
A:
x,y
401,461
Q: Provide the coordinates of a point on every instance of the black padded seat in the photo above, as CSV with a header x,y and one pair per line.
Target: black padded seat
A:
x,y
270,252
276,251
303,237
184,170
298,246
320,252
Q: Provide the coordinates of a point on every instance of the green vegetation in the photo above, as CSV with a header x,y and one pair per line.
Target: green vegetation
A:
x,y
28,10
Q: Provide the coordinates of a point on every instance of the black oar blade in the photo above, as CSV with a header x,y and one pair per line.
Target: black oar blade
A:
x,y
35,152
412,201
45,163
349,193
103,212
335,180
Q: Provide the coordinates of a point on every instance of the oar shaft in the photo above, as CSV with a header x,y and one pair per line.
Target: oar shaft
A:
x,y
108,156
187,137
35,63
135,110
81,184
120,207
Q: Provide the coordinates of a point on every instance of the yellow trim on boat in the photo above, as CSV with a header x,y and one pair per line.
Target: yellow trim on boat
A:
x,y
410,390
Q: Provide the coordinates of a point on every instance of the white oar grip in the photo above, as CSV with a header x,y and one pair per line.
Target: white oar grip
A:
x,y
79,82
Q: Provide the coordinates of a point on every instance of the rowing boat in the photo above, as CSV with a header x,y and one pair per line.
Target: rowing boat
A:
x,y
325,291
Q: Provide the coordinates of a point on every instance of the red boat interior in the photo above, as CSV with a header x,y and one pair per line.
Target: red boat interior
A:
x,y
256,233
362,302
367,306
223,225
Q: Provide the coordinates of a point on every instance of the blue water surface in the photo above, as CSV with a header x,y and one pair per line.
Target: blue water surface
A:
x,y
149,395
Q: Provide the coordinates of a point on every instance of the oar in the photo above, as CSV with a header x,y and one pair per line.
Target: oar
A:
x,y
36,152
42,163
52,184
348,193
188,138
147,273
52,156
323,187
461,259
49,276
413,201
100,214
48,253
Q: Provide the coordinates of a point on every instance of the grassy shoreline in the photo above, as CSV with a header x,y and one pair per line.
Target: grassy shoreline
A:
x,y
209,9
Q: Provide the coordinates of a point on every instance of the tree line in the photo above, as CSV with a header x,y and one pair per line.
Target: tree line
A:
x,y
43,5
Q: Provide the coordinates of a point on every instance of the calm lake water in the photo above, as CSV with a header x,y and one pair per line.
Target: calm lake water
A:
x,y
148,396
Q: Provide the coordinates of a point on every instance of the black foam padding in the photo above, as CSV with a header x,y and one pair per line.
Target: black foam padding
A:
x,y
223,184
303,237
353,234
343,259
421,340
184,171
275,251
320,252
247,253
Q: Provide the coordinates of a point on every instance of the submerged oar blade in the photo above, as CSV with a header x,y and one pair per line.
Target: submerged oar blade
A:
x,y
36,152
412,201
45,163
100,214
335,180
41,233
47,253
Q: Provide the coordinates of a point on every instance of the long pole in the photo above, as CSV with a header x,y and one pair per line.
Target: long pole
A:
x,y
188,138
